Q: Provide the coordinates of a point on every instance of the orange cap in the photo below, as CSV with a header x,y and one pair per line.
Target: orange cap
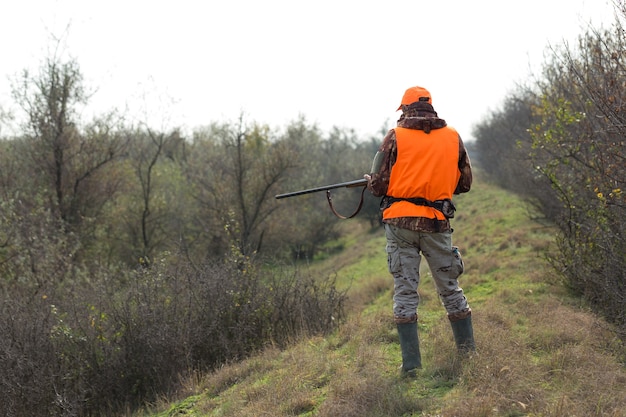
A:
x,y
414,94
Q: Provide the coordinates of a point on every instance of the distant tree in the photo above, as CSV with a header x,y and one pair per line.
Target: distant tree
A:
x,y
234,169
69,161
502,140
150,214
58,175
305,222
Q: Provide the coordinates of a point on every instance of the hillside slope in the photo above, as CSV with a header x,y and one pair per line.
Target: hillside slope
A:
x,y
541,352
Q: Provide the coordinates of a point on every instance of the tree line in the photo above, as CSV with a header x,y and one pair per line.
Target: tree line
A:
x,y
559,139
124,192
132,255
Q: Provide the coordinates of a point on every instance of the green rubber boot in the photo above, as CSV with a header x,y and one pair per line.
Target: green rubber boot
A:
x,y
464,335
409,344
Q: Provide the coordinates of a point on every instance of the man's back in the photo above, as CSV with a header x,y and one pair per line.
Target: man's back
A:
x,y
426,167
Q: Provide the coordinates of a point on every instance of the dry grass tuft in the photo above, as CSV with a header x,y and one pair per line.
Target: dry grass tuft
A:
x,y
554,362
368,393
368,292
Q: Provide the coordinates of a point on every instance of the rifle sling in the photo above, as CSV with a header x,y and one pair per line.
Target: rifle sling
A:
x,y
332,208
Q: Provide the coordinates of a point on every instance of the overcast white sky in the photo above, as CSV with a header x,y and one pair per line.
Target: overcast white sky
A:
x,y
338,63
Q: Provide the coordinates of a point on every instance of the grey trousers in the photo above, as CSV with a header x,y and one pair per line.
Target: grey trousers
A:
x,y
404,253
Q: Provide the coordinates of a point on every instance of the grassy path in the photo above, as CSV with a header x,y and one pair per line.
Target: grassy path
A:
x,y
541,353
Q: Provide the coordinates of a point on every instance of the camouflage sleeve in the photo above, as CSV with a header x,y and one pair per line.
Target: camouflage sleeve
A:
x,y
381,166
465,166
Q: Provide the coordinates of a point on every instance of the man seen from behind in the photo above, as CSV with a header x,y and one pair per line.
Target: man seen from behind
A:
x,y
417,169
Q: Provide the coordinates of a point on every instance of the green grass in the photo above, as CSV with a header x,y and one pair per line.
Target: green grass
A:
x,y
541,353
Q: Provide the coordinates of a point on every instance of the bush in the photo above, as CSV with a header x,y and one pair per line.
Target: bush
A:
x,y
133,335
562,145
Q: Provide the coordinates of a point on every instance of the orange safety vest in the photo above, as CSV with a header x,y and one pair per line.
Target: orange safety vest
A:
x,y
427,166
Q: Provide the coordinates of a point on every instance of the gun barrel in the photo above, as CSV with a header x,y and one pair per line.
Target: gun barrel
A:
x,y
349,184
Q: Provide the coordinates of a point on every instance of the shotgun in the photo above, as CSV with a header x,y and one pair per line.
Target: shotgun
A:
x,y
349,184
327,188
